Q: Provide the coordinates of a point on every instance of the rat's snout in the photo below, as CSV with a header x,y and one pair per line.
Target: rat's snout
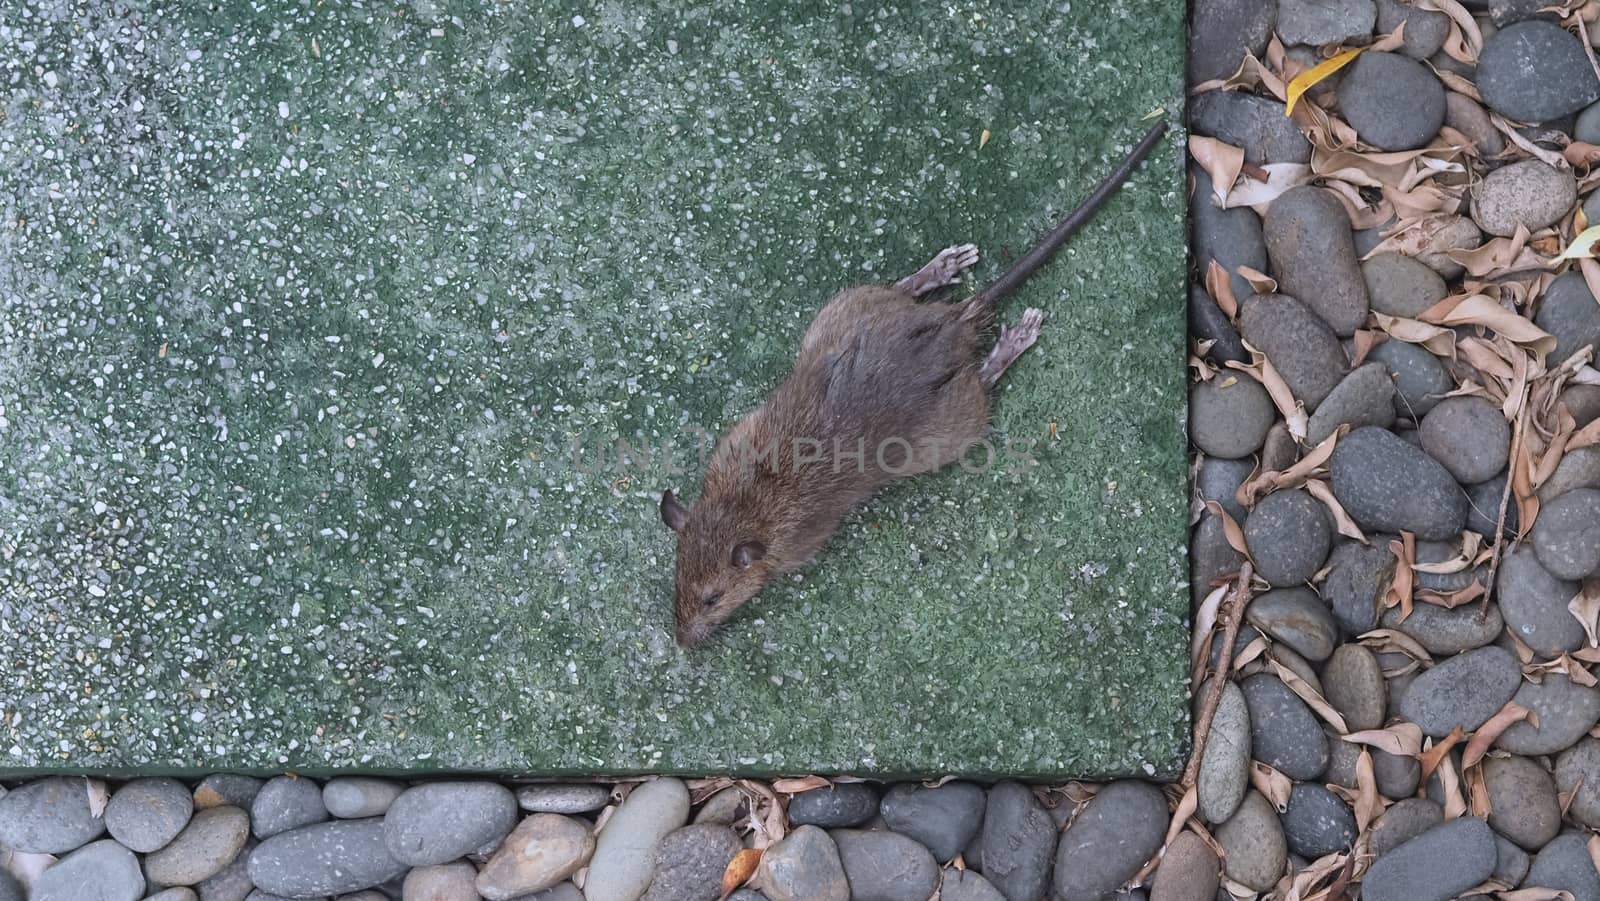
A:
x,y
691,635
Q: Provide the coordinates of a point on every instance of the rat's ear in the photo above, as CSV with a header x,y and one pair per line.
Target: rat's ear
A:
x,y
748,552
673,512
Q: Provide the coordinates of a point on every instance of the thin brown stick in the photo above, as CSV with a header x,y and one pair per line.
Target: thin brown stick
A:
x,y
1232,614
1505,503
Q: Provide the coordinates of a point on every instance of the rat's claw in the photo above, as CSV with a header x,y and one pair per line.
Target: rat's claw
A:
x,y
944,269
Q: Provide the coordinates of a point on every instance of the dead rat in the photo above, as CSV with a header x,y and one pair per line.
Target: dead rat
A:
x,y
884,387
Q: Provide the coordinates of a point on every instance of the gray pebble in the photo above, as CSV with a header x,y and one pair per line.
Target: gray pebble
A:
x,y
49,816
1510,863
1313,255
1534,604
325,859
1464,690
1225,763
1301,346
1254,124
359,797
543,851
1365,397
184,893
1510,12
1221,32
1445,630
1529,193
1229,415
1117,832
1467,117
1253,846
1392,101
1283,732
1397,776
1400,286
1019,842
1358,576
967,885
724,808
1435,866
1566,712
284,803
885,866
1587,127
1564,863
624,853
442,882
210,841
1444,235
437,822
944,818
1289,536
1325,21
838,806
563,798
232,882
1405,819
1569,312
1188,871
145,814
1522,800
1425,31
1566,535
1534,71
1296,617
1207,322
1232,237
1578,768
99,871
1210,555
804,866
1219,480
1483,507
1386,484
1579,468
690,862
226,790
1317,822
1583,401
1352,682
11,889
1281,450
1469,436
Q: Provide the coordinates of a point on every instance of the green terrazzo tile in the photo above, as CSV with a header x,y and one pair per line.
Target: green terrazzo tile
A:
x,y
306,307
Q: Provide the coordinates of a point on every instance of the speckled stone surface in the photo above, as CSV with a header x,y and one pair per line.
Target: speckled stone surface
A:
x,y
303,308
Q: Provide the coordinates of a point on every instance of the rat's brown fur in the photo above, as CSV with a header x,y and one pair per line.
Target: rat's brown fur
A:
x,y
879,372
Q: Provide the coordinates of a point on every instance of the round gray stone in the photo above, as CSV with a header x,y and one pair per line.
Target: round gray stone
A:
x,y
1511,862
1313,255
1210,555
543,851
1566,712
1253,846
563,797
1435,866
804,866
1300,345
1582,401
232,882
967,885
441,882
1388,485
1229,415
1405,819
885,866
226,790
437,822
944,819
1483,507
1468,436
837,806
1254,124
1188,871
1425,30
1231,237
1534,604
1442,630
1529,193
1219,480
1225,763
1352,682
1522,801
1578,768
1289,536
99,871
184,893
1358,576
1284,734
1317,822
49,816
1221,32
1325,21
1117,832
1464,690
145,814
1564,863
359,797
690,863
284,803
1019,841
325,859
1569,312
1207,322
1365,397
1467,117
210,841
1535,71
1566,535
1579,468
624,853
1296,617
1397,776
1392,101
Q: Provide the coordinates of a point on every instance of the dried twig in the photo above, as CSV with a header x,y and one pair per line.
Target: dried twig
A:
x,y
1208,708
1505,501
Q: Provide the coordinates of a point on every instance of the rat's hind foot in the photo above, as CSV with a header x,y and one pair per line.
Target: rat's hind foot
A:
x,y
944,269
1013,341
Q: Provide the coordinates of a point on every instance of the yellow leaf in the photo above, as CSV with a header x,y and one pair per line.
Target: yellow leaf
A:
x,y
739,870
1583,246
1308,79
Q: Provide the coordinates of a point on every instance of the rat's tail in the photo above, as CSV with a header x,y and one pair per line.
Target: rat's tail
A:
x,y
980,305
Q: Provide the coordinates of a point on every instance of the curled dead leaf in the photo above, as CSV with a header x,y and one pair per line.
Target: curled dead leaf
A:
x,y
1486,734
1273,785
1402,739
1431,757
740,870
1222,162
796,785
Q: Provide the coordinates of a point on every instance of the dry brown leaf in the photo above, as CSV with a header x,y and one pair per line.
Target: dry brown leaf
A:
x,y
1310,695
99,796
1394,640
1453,599
1548,157
1273,785
1260,282
1220,161
740,870
1256,648
1230,529
1565,798
1477,791
1479,309
1220,287
1431,757
1486,734
1400,588
1585,607
1455,803
1365,340
1205,623
1536,894
1259,486
1584,437
1368,803
1258,193
1402,739
796,785
1465,40
1319,489
1440,341
1292,411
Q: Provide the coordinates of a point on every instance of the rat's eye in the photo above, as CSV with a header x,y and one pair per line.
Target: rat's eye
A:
x,y
711,600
